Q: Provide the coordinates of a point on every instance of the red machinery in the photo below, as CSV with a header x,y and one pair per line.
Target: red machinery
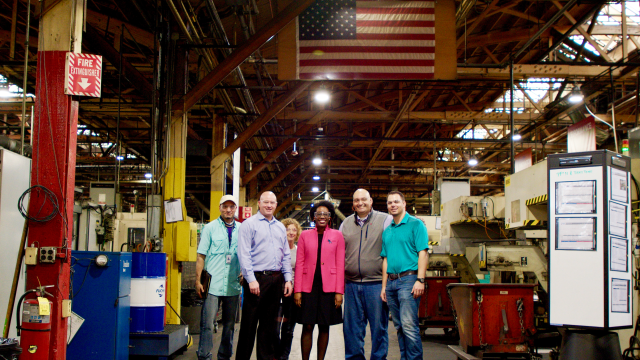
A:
x,y
494,318
435,307
36,331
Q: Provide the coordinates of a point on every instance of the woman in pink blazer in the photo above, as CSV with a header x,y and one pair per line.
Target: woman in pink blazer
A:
x,y
319,280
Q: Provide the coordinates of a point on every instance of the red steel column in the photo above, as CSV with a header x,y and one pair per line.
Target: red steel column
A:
x,y
54,158
53,166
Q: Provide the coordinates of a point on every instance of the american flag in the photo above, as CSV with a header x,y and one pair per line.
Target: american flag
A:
x,y
367,40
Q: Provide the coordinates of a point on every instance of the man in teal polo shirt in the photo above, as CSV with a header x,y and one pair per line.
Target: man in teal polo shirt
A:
x,y
217,253
404,265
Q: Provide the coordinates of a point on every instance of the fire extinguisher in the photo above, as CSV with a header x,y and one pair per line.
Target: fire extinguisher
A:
x,y
36,329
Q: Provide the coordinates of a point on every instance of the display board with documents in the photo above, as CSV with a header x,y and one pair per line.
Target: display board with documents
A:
x,y
590,240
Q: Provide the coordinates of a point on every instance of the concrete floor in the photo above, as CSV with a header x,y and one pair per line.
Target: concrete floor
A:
x,y
434,345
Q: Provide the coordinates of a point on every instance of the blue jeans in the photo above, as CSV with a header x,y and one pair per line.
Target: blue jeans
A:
x,y
404,313
362,303
207,319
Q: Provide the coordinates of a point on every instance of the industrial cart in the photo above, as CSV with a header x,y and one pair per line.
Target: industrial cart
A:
x,y
495,321
435,307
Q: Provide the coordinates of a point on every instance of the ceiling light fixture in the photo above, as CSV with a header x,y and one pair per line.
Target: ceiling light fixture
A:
x,y
517,137
473,161
315,189
316,177
119,157
148,175
576,95
322,96
317,161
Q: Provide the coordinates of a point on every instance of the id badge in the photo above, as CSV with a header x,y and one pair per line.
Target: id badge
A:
x,y
228,259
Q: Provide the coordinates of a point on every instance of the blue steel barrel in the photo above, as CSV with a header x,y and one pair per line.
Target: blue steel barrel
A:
x,y
148,291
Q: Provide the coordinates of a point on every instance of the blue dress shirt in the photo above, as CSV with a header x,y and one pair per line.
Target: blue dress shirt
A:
x,y
263,246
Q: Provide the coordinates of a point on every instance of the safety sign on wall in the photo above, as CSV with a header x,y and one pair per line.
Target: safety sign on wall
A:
x,y
84,74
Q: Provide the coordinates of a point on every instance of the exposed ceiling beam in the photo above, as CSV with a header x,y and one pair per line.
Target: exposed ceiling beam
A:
x,y
407,164
304,129
477,20
97,43
524,92
522,15
284,192
604,30
116,26
368,116
391,131
361,98
521,71
359,105
578,48
239,55
255,126
591,41
284,173
502,37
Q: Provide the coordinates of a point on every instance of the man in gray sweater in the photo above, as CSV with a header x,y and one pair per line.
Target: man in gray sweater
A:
x,y
362,233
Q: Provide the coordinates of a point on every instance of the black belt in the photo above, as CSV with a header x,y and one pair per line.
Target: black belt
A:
x,y
267,272
404,273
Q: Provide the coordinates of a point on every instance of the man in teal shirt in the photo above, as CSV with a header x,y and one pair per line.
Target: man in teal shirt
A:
x,y
217,254
404,265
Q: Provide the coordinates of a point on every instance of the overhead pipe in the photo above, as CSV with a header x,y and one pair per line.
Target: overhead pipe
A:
x,y
24,80
256,66
225,42
168,94
211,61
155,110
243,92
511,124
241,53
185,30
15,145
463,11
261,61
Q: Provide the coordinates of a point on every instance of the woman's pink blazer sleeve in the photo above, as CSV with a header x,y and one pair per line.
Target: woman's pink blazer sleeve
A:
x,y
300,264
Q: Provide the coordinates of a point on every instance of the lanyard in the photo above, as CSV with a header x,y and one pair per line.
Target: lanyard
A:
x,y
227,227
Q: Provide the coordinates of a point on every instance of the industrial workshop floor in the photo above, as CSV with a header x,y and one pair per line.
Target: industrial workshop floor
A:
x,y
434,345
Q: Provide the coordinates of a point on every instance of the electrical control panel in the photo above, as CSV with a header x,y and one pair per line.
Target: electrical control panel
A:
x,y
466,219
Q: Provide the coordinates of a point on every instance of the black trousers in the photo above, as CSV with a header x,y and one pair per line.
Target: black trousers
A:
x,y
260,313
286,328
